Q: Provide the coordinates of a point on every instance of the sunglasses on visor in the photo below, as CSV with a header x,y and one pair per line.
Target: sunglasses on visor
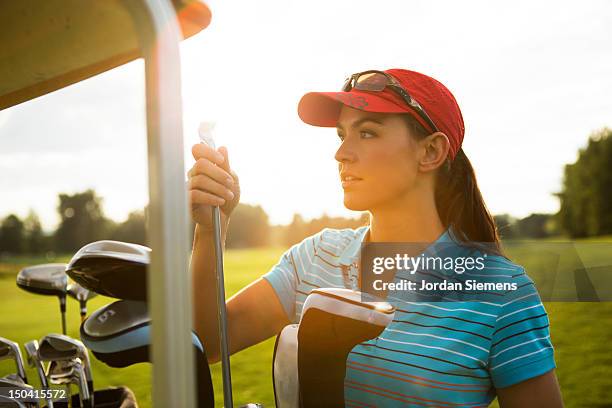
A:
x,y
377,81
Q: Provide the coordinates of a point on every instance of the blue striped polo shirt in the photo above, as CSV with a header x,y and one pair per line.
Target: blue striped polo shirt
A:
x,y
443,354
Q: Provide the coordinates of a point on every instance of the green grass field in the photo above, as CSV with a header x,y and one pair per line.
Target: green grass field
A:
x,y
581,334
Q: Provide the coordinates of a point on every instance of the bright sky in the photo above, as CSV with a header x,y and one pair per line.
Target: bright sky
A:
x,y
532,79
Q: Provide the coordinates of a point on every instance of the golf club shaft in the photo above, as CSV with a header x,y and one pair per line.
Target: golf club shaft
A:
x,y
62,301
225,361
83,309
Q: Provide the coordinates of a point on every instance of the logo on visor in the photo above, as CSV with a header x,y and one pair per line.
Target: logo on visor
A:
x,y
353,101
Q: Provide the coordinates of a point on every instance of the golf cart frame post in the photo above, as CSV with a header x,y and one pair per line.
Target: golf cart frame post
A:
x,y
170,303
76,42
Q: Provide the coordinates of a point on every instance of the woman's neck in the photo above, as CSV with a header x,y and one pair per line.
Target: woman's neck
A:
x,y
408,221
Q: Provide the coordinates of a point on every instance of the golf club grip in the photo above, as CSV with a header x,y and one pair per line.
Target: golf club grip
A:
x,y
225,361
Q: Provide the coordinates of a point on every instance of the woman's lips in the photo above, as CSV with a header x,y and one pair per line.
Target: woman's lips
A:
x,y
349,180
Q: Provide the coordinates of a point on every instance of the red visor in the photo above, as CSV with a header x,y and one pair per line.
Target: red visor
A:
x,y
323,108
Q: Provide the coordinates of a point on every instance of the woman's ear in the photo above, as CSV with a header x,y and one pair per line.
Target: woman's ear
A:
x,y
435,148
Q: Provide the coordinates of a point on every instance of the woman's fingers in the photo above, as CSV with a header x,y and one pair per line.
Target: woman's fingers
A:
x,y
203,151
211,180
226,163
198,197
206,167
207,184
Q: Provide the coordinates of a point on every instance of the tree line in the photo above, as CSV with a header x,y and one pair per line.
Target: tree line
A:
x,y
585,211
82,221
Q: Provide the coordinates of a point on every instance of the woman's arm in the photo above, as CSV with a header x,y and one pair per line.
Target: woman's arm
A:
x,y
541,392
254,314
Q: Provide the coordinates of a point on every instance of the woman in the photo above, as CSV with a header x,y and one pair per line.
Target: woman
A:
x,y
400,159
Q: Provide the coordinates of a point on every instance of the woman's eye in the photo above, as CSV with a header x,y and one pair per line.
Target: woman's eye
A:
x,y
341,137
366,134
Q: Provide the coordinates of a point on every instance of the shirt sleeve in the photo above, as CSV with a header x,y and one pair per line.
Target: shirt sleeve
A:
x,y
521,347
284,280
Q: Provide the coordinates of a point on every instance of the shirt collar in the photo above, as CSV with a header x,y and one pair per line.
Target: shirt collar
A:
x,y
351,252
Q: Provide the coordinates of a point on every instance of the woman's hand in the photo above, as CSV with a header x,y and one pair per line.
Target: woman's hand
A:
x,y
211,182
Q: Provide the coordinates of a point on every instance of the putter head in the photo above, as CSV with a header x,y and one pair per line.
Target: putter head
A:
x,y
45,279
112,268
119,335
10,349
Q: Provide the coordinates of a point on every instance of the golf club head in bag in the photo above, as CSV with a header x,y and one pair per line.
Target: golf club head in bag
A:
x,y
10,349
112,268
31,348
62,371
46,279
70,372
113,397
69,364
6,402
119,335
333,322
17,385
17,381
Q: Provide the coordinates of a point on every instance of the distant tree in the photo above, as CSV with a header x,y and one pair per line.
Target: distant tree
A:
x,y
35,240
300,229
248,227
81,221
506,226
12,235
534,226
586,195
131,230
296,231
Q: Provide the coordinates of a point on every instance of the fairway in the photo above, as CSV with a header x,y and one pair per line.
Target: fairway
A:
x,y
581,334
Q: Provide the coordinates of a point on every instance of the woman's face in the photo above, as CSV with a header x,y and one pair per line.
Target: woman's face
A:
x,y
377,159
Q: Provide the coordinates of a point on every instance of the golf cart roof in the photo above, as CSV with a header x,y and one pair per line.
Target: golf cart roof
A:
x,y
48,45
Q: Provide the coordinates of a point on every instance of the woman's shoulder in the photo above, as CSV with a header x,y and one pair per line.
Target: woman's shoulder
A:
x,y
499,262
334,239
488,257
493,265
497,268
344,234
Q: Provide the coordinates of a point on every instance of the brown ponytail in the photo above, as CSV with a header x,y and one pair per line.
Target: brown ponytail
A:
x,y
459,201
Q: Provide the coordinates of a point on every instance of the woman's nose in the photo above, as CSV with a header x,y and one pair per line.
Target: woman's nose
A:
x,y
345,153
